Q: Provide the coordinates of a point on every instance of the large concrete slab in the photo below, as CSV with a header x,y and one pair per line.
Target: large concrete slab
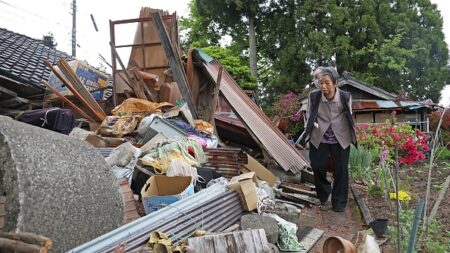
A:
x,y
56,186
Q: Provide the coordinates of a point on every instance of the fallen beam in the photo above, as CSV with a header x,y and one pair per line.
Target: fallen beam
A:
x,y
309,236
362,206
175,63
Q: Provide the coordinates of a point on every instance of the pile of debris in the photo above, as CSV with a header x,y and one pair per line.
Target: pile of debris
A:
x,y
197,185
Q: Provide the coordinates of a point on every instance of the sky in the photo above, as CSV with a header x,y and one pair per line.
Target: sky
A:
x,y
37,18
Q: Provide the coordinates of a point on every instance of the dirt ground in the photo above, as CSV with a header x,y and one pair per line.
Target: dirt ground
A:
x,y
413,180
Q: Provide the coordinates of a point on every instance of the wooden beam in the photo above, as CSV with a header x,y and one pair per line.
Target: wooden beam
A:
x,y
73,90
131,81
362,206
175,63
8,92
254,240
309,236
79,86
13,102
216,96
76,108
295,188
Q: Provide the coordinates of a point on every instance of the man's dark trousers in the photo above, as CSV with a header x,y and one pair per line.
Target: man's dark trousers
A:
x,y
319,164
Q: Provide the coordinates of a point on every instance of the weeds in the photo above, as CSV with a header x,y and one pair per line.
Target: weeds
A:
x,y
359,162
437,243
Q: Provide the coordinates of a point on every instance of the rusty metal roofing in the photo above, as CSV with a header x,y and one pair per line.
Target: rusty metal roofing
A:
x,y
361,105
271,138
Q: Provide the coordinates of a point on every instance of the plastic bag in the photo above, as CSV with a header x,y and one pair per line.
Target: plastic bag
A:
x,y
180,168
125,155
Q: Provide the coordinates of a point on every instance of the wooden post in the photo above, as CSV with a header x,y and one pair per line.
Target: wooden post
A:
x,y
175,63
216,96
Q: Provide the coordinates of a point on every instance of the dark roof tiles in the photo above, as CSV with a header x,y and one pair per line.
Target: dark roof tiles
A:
x,y
23,57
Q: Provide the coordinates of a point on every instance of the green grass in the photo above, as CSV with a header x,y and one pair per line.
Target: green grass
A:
x,y
360,163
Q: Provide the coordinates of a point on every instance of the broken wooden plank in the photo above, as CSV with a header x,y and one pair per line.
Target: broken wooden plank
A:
x,y
260,171
303,199
73,90
133,85
175,63
7,93
307,176
215,97
79,86
295,188
290,203
309,236
13,102
362,206
249,241
76,108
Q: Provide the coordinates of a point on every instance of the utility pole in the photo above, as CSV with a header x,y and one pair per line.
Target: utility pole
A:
x,y
74,28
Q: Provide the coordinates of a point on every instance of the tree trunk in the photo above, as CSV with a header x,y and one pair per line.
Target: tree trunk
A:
x,y
252,41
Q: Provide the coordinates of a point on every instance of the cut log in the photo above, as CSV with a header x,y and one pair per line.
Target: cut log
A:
x,y
29,238
8,245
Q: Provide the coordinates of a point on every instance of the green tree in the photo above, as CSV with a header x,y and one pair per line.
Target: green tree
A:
x,y
395,45
237,18
235,65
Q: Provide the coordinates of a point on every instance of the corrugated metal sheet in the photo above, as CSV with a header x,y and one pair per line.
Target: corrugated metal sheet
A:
x,y
273,141
411,105
387,104
212,209
361,105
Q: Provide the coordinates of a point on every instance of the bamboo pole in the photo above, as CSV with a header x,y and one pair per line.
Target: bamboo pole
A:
x,y
76,108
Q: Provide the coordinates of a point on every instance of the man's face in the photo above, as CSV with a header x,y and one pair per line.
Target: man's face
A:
x,y
326,85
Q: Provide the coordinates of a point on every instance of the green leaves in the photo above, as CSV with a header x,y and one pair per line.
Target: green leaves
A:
x,y
394,45
234,64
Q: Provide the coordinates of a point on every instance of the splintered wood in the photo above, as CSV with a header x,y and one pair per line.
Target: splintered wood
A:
x,y
249,241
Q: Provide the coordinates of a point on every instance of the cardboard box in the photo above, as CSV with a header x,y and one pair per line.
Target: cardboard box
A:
x,y
245,185
160,191
91,78
261,171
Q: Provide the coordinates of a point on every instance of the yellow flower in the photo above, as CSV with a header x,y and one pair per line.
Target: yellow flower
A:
x,y
402,195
